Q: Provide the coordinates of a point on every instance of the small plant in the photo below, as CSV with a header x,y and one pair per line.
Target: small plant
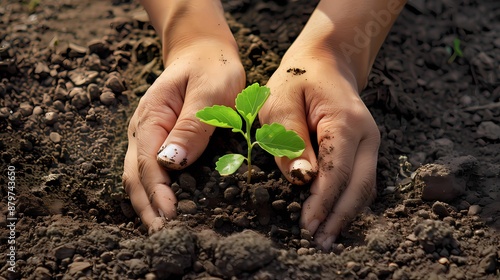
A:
x,y
273,138
457,51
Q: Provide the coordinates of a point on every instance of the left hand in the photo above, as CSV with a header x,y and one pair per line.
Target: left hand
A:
x,y
325,100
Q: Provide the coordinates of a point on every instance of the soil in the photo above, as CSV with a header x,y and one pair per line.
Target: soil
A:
x,y
73,71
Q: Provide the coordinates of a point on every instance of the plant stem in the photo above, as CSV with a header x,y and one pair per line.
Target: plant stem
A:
x,y
249,151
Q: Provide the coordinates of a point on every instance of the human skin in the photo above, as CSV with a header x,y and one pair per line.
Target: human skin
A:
x,y
336,49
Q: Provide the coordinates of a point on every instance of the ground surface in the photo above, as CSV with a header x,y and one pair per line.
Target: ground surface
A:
x,y
72,71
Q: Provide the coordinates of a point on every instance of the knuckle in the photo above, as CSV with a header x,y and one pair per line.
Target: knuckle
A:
x,y
127,182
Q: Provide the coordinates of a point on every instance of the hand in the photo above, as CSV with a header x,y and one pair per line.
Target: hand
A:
x,y
315,92
204,73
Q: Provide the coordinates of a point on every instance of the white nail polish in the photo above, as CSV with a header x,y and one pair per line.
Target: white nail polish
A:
x,y
301,171
172,155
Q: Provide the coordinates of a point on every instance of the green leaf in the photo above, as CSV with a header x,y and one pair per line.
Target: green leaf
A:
x,y
279,142
228,164
250,101
456,47
220,116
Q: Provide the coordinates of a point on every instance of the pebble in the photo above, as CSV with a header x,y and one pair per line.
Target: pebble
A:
x,y
106,257
64,251
79,97
488,130
260,195
187,207
440,209
51,117
231,192
294,207
26,109
187,182
115,83
303,251
37,111
55,137
42,273
279,204
107,97
93,91
78,266
474,210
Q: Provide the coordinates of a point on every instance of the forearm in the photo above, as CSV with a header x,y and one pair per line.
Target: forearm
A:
x,y
352,30
181,22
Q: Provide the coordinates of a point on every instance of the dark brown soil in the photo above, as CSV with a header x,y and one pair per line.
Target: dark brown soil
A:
x,y
72,72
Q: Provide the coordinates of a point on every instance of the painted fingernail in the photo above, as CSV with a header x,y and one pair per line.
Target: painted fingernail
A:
x,y
172,156
312,226
301,171
327,244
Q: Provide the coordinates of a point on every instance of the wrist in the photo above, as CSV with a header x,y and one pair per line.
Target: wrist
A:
x,y
348,34
181,24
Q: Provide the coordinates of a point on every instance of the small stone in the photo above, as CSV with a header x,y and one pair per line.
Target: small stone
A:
x,y
488,130
115,83
64,251
55,137
474,210
61,93
51,118
99,47
106,257
444,261
230,193
294,207
279,204
78,266
187,182
186,206
260,195
107,97
305,234
42,273
440,209
79,97
80,77
93,92
26,109
303,251
76,50
354,266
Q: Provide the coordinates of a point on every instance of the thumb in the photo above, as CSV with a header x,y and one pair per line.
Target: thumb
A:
x,y
290,113
188,138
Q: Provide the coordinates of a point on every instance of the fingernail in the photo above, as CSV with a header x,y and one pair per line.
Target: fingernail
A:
x,y
172,156
301,171
327,244
312,226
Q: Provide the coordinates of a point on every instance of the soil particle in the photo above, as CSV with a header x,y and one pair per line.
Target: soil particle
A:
x,y
187,207
243,252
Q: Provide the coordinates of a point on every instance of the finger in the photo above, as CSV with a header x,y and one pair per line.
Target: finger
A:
x,y
134,188
360,192
338,142
151,128
292,116
189,137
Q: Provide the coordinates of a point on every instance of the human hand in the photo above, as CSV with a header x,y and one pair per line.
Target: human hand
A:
x,y
314,92
164,125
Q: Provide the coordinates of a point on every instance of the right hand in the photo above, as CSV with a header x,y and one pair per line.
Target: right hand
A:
x,y
203,73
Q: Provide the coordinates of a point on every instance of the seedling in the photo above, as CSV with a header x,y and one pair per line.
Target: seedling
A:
x,y
457,51
273,138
